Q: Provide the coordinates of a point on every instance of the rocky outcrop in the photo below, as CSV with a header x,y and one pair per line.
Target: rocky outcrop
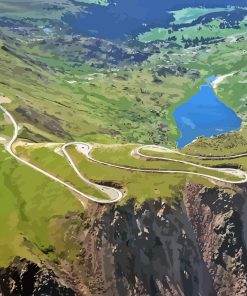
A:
x,y
194,248
197,246
145,250
218,223
24,278
96,52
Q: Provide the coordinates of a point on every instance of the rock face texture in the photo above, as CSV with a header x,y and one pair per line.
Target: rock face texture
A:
x,y
195,247
219,223
150,250
24,278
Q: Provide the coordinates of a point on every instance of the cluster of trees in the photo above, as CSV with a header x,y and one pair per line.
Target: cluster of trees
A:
x,y
229,26
198,41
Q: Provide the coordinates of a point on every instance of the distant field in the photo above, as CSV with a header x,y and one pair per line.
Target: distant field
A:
x,y
116,107
111,108
196,32
100,2
42,9
38,9
113,104
189,14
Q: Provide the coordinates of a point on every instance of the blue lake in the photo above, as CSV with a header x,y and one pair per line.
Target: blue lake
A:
x,y
204,115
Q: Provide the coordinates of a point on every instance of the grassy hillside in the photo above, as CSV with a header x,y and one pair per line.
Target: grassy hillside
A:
x,y
117,106
104,105
115,92
47,159
27,211
37,9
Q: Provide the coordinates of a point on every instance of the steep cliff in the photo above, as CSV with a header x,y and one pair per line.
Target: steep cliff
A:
x,y
24,278
194,247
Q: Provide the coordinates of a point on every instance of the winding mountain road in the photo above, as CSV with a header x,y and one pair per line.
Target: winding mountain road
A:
x,y
167,150
234,172
85,149
114,194
8,148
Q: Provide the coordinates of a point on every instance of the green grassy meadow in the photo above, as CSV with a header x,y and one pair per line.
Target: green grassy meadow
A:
x,y
138,185
28,211
117,105
238,162
122,156
39,98
50,161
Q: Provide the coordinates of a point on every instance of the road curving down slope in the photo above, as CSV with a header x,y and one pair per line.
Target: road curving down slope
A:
x,y
231,171
85,149
117,193
114,194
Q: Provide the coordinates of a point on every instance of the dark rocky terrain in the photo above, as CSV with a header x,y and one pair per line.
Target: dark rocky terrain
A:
x,y
196,247
24,278
96,52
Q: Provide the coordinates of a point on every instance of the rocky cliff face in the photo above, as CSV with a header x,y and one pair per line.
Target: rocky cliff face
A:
x,y
219,223
24,278
196,247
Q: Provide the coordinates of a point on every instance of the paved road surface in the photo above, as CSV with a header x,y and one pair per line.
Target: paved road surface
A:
x,y
114,194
